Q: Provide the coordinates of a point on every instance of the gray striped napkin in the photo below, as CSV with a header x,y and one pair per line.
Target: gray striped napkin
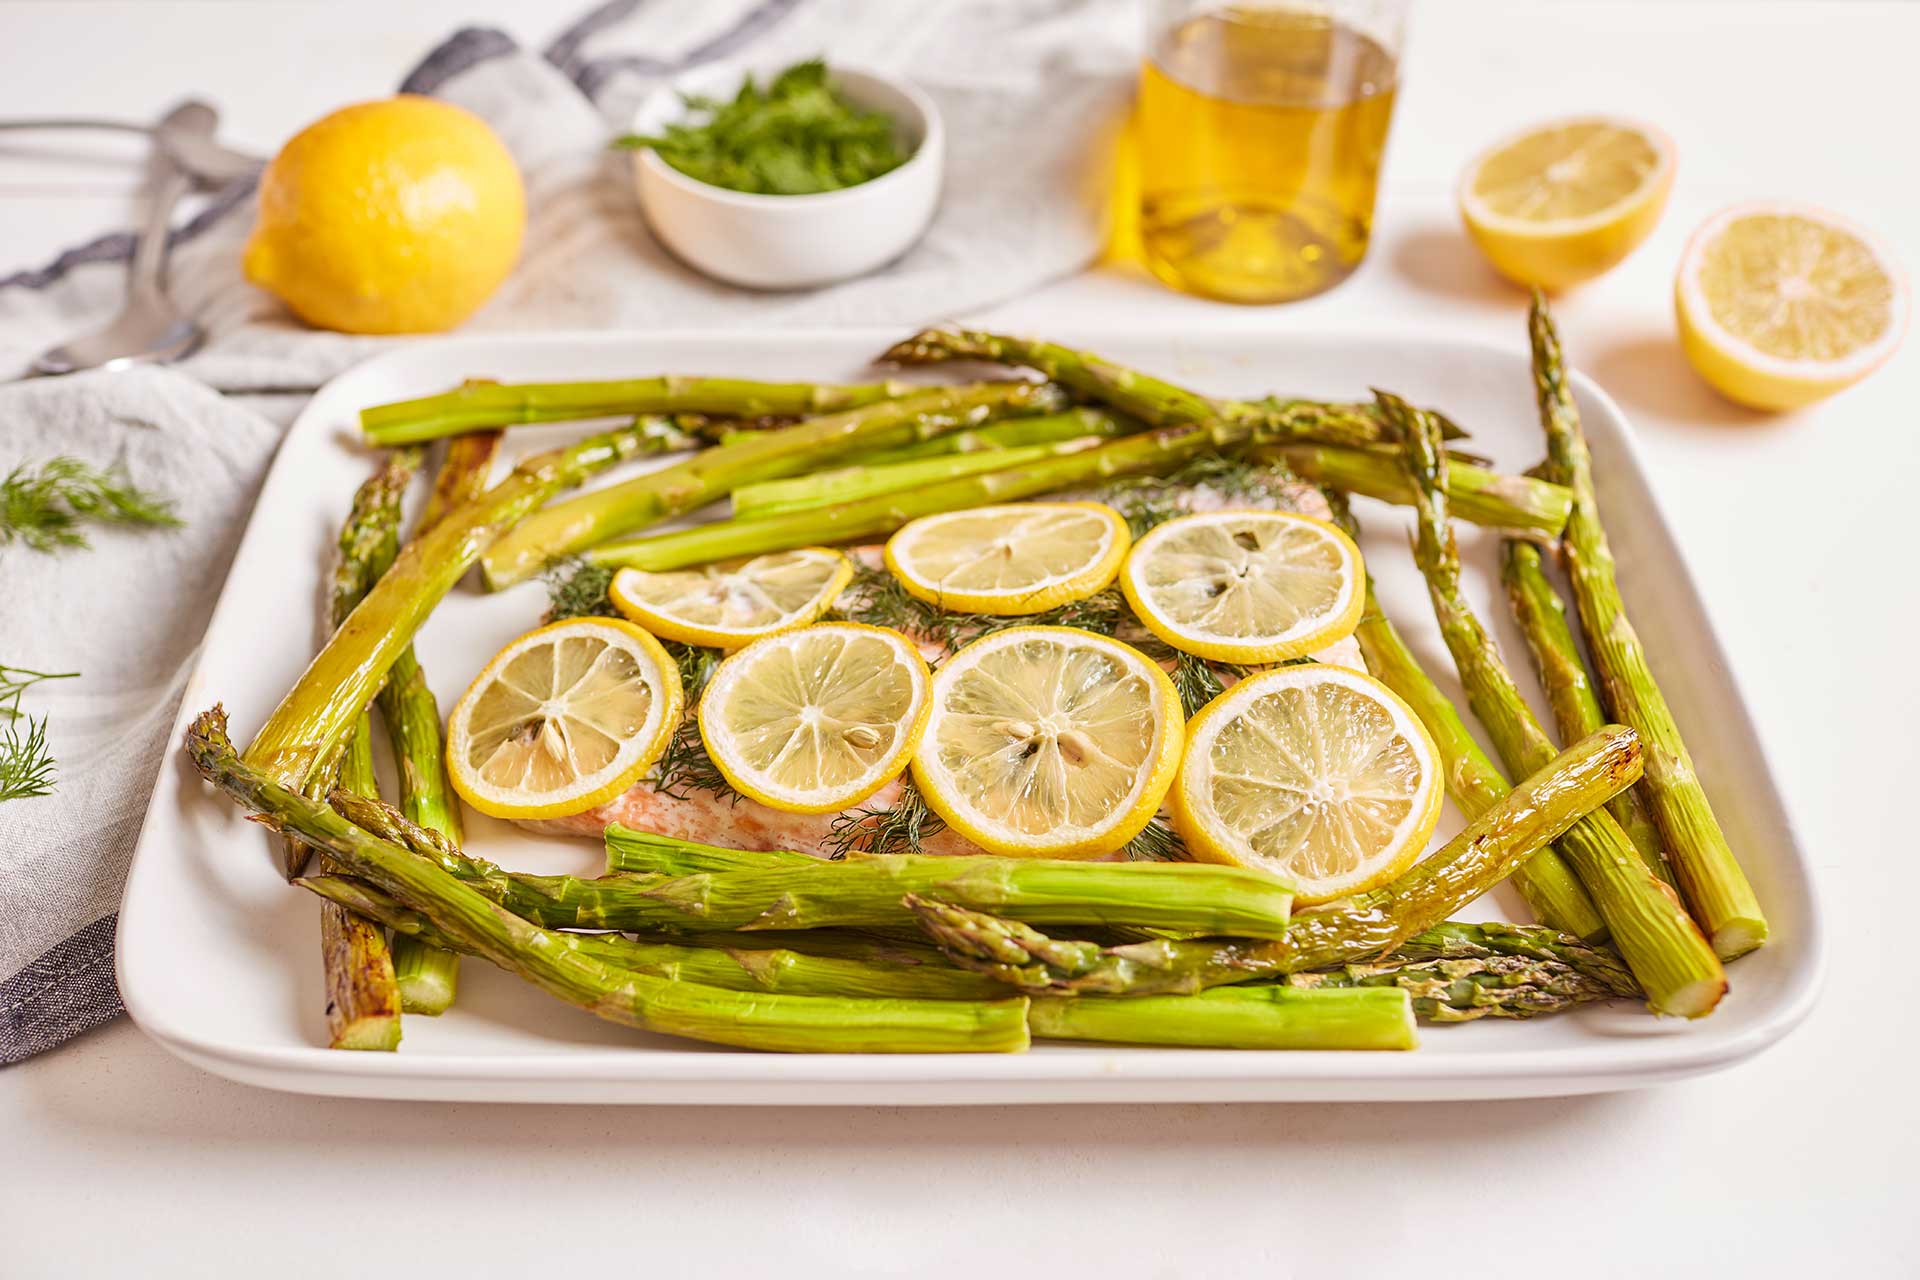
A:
x,y
1030,90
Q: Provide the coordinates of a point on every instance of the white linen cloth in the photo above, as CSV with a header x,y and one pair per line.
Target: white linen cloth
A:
x,y
1031,92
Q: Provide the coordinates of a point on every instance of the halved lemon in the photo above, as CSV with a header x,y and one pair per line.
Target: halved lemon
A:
x,y
1781,305
1013,559
563,719
1563,202
1049,742
1246,586
814,720
1315,773
734,602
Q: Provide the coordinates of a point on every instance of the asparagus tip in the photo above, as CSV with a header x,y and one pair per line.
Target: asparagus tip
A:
x,y
929,346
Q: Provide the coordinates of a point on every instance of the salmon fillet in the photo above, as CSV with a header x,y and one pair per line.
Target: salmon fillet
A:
x,y
708,818
740,823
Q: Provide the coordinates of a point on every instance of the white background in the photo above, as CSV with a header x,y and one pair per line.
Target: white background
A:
x,y
114,1157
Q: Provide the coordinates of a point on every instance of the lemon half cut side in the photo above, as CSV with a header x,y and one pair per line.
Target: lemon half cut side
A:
x,y
1782,305
1560,203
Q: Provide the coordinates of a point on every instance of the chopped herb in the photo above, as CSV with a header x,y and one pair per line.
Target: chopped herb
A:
x,y
1194,678
685,765
44,507
798,136
876,598
578,589
900,829
1157,842
1147,501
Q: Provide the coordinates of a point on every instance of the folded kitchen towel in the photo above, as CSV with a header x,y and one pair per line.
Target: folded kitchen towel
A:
x,y
1031,91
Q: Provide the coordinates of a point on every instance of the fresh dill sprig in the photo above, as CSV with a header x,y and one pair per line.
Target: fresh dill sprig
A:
x,y
876,598
900,829
45,506
15,681
26,759
1157,842
1194,678
685,765
798,136
1148,501
697,665
578,589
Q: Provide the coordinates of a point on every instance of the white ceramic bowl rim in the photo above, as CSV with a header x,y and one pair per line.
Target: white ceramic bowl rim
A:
x,y
932,140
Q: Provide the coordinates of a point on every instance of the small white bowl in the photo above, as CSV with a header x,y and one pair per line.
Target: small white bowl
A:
x,y
793,242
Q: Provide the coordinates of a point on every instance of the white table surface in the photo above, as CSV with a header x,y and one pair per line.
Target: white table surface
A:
x,y
115,1157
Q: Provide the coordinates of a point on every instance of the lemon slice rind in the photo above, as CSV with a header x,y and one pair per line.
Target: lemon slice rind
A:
x,y
662,602
738,726
1309,538
1193,800
642,744
962,679
979,542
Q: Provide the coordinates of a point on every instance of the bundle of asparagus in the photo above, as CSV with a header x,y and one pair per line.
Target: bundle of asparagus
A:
x,y
1710,877
821,990
777,950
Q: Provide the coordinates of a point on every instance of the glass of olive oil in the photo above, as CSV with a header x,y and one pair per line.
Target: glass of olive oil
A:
x,y
1260,131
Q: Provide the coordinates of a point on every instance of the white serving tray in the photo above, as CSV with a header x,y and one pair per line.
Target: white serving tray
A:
x,y
219,961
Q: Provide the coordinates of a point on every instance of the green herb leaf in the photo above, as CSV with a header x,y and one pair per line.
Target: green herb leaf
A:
x,y
578,589
26,759
15,681
1157,842
798,136
900,829
45,506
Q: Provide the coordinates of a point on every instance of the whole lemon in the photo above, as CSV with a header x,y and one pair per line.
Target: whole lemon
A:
x,y
397,216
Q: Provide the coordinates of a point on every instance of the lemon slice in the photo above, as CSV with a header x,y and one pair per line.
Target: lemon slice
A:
x,y
563,719
1049,742
1565,201
814,720
1315,773
1246,586
1782,305
726,605
1019,558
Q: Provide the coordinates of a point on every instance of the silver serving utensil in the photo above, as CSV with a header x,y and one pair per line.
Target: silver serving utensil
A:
x,y
212,164
149,328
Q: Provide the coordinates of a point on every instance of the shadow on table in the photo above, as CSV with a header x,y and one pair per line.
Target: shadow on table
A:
x,y
1650,375
180,1108
1437,258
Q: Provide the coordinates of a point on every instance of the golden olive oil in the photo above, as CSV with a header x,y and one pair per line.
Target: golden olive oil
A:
x,y
1260,135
